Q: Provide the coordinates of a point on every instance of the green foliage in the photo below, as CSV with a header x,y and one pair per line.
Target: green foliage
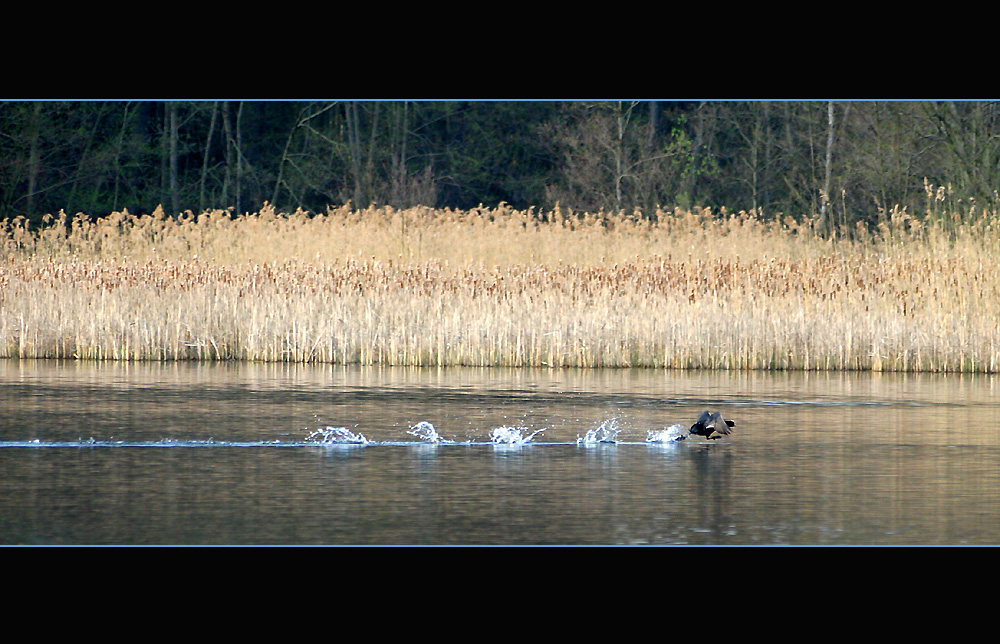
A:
x,y
100,157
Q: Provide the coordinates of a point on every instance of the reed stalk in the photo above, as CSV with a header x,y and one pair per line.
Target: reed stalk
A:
x,y
502,287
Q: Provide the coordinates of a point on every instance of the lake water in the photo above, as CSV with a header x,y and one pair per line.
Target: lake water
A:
x,y
236,453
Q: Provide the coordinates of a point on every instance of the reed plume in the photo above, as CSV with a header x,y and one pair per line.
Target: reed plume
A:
x,y
503,287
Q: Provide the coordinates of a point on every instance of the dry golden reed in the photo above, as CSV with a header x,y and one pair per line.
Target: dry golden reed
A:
x,y
502,287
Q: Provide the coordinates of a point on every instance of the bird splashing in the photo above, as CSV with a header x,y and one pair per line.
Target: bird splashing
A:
x,y
607,432
336,436
670,434
513,435
425,432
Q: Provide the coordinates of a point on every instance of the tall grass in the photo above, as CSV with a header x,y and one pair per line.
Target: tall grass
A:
x,y
501,287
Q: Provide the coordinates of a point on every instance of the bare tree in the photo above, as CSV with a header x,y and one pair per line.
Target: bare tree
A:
x,y
608,161
233,177
214,110
307,114
172,138
968,137
34,157
827,168
750,122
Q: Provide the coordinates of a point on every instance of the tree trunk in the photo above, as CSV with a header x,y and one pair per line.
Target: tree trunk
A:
x,y
34,159
354,149
654,117
822,225
689,181
227,130
239,159
399,193
370,163
174,197
118,155
234,156
619,162
204,159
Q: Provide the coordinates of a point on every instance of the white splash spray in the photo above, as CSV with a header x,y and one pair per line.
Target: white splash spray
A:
x,y
513,435
336,436
670,434
607,432
425,432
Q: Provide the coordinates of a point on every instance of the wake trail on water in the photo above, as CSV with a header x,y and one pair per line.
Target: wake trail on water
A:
x,y
425,432
606,433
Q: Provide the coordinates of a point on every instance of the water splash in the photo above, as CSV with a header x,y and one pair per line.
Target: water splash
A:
x,y
425,432
607,432
670,434
336,436
513,435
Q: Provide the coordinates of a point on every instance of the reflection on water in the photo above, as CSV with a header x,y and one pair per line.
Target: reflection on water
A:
x,y
253,454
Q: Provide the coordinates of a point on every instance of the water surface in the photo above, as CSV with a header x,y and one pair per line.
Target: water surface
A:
x,y
237,453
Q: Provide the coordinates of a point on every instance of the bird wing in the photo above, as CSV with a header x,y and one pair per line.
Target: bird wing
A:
x,y
721,425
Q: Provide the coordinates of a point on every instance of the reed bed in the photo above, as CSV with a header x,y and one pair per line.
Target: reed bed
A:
x,y
501,287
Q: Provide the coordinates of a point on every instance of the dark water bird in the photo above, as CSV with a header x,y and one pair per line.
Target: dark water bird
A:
x,y
712,425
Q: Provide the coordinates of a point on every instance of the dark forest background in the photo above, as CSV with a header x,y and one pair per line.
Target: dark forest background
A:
x,y
842,161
